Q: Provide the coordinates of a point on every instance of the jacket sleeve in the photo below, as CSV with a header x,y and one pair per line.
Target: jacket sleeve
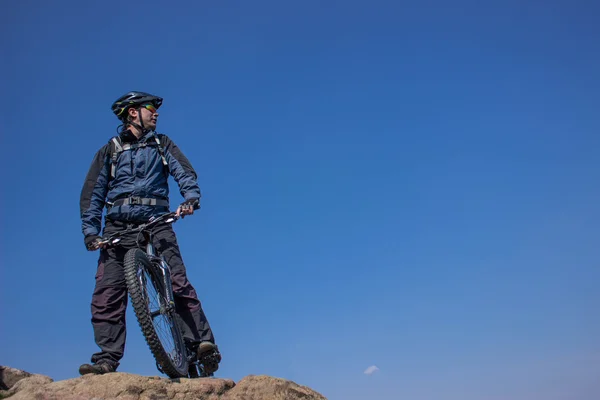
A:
x,y
93,193
181,169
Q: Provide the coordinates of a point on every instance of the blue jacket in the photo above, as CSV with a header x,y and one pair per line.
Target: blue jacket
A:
x,y
140,172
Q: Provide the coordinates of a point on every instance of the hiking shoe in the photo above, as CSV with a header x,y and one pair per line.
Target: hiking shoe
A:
x,y
98,369
205,347
209,357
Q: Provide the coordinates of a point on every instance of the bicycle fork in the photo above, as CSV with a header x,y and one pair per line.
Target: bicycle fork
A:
x,y
165,275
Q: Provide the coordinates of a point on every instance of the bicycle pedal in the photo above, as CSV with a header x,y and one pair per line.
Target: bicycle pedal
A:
x,y
210,361
211,356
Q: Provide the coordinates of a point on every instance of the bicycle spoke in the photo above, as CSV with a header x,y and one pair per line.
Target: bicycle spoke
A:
x,y
162,323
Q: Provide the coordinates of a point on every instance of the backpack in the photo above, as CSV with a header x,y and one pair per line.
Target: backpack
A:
x,y
118,147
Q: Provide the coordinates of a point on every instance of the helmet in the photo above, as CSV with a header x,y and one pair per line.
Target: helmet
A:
x,y
133,99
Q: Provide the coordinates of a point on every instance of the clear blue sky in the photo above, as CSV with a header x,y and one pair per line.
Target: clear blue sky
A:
x,y
410,186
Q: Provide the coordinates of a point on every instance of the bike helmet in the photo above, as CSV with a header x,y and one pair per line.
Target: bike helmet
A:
x,y
133,99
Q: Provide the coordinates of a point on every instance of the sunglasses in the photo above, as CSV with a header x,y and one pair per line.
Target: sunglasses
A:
x,y
150,108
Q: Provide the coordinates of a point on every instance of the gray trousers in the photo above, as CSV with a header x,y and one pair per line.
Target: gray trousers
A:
x,y
109,300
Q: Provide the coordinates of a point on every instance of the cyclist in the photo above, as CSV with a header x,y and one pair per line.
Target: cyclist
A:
x,y
129,176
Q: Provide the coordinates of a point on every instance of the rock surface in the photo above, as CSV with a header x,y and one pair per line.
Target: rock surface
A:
x,y
21,385
270,388
10,376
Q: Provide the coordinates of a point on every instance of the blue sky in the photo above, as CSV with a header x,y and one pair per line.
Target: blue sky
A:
x,y
412,186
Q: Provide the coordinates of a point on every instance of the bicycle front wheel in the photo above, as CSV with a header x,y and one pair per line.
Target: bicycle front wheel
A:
x,y
157,318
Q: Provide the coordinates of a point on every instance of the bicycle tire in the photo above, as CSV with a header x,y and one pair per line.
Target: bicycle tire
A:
x,y
135,263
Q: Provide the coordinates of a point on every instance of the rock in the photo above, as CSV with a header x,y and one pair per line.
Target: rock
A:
x,y
13,380
125,386
267,387
30,384
10,376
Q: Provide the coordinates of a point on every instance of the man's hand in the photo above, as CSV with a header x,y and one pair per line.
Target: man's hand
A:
x,y
188,207
91,242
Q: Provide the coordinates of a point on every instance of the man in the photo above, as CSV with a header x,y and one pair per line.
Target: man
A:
x,y
129,175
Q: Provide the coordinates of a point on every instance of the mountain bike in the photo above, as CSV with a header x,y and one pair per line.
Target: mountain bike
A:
x,y
148,278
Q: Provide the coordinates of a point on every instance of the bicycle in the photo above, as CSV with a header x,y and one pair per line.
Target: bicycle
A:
x,y
145,268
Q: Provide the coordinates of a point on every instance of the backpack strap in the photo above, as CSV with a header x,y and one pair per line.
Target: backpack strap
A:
x,y
162,152
116,150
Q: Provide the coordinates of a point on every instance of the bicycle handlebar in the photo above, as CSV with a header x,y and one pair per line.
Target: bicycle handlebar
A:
x,y
170,217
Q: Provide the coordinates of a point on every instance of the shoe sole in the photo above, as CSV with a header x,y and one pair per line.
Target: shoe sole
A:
x,y
87,370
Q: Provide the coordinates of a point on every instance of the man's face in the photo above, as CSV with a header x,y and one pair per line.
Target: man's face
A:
x,y
148,115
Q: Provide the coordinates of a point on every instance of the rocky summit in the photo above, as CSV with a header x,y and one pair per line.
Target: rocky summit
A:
x,y
16,384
